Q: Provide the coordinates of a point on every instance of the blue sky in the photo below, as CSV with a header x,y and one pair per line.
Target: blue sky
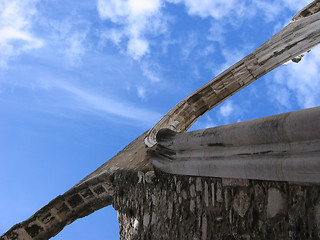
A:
x,y
79,80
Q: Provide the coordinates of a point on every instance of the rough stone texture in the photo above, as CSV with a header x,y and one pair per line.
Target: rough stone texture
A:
x,y
276,203
283,147
61,211
183,207
161,206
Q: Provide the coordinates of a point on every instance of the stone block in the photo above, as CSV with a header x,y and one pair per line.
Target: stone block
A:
x,y
276,203
234,182
241,203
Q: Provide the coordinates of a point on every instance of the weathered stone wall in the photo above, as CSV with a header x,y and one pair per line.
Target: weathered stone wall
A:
x,y
156,205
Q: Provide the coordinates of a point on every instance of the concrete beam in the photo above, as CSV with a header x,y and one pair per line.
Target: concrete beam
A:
x,y
283,147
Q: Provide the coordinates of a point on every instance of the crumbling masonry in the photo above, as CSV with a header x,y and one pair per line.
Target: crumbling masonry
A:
x,y
213,183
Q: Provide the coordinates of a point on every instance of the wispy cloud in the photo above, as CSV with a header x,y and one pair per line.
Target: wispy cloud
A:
x,y
15,24
91,101
227,109
233,9
269,9
296,83
216,9
141,92
69,37
216,32
272,9
136,19
75,47
295,5
150,70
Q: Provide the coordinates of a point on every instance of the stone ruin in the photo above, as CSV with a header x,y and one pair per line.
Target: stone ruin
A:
x,y
257,179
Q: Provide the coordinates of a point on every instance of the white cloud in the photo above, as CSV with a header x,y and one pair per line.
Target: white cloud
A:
x,y
229,112
216,32
141,92
137,47
216,9
227,109
136,18
114,35
281,95
209,122
112,106
119,10
208,50
15,24
298,82
82,99
273,9
189,44
296,5
75,48
69,37
150,71
269,9
233,9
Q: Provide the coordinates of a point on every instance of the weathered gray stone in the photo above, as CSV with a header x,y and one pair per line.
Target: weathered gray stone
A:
x,y
204,227
140,196
170,209
219,193
317,218
276,203
192,191
213,194
241,203
235,182
259,198
149,176
198,184
206,194
193,218
154,218
227,198
192,205
146,220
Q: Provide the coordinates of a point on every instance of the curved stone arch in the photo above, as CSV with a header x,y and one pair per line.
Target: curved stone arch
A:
x,y
308,10
96,190
293,41
61,211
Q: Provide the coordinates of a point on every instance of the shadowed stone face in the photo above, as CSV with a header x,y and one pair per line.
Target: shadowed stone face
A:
x,y
317,217
256,210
